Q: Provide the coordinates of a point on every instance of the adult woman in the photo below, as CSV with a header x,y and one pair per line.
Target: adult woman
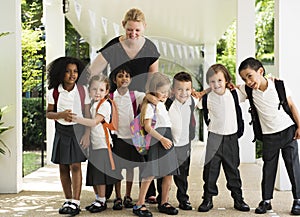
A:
x,y
132,49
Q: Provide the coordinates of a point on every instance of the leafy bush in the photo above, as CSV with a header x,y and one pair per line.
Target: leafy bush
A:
x,y
33,124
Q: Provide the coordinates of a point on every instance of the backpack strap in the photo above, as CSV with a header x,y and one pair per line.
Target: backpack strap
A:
x,y
205,110
82,95
279,85
55,97
133,102
254,115
239,115
168,103
192,120
105,126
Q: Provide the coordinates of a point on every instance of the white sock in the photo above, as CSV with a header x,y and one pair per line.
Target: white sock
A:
x,y
268,201
102,199
77,202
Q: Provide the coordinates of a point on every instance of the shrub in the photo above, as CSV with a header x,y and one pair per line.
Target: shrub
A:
x,y
33,124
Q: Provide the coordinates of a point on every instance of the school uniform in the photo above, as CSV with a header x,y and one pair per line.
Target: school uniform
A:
x,y
124,151
160,161
66,147
99,171
180,118
278,131
222,146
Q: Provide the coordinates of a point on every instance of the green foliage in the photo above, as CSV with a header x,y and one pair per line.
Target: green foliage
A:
x,y
75,45
33,45
2,130
33,124
265,30
226,50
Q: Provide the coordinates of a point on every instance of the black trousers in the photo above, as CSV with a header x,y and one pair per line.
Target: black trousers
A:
x,y
272,144
222,150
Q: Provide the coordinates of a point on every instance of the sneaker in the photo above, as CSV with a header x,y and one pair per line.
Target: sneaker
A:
x,y
128,202
98,206
206,205
262,208
167,209
141,212
118,204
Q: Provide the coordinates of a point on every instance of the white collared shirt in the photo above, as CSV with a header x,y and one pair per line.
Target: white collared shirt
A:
x,y
125,110
222,113
162,116
68,100
180,118
266,102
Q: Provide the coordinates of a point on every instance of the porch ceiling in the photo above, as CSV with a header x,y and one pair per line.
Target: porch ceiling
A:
x,y
191,22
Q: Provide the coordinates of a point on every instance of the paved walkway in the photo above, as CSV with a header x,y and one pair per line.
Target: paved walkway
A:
x,y
42,194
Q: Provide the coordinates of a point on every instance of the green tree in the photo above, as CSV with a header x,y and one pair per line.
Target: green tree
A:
x,y
33,45
264,35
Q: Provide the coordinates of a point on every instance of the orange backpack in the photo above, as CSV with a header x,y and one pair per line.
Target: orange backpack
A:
x,y
112,125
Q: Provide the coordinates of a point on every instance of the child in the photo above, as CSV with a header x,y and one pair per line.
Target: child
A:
x,y
70,139
279,132
162,160
222,143
99,169
125,153
183,131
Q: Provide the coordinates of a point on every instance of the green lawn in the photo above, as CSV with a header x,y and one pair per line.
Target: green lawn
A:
x,y
31,162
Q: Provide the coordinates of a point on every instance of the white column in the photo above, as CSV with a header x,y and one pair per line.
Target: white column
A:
x,y
54,21
210,58
245,47
287,47
11,94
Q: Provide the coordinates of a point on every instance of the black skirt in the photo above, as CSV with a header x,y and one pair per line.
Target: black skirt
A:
x,y
125,154
99,171
66,147
160,161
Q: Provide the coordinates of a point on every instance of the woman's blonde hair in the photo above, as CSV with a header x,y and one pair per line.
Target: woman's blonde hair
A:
x,y
134,14
157,80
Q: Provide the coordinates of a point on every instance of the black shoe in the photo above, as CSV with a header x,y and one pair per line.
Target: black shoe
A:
x,y
241,205
167,208
65,207
141,213
206,205
128,202
118,204
98,206
185,205
89,206
262,208
73,209
296,208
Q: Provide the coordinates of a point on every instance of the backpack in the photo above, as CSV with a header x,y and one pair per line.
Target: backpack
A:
x,y
168,104
140,138
239,116
279,85
81,94
107,127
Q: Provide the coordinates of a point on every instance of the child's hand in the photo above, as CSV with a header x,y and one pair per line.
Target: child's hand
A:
x,y
153,99
167,144
85,140
67,115
297,134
